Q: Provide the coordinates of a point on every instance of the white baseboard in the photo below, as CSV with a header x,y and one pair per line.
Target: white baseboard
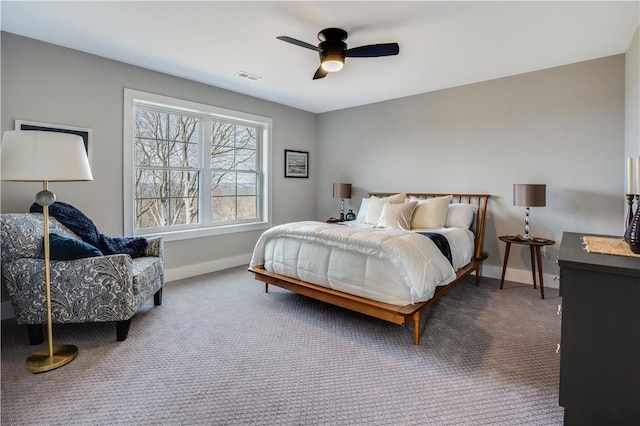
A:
x,y
519,275
174,274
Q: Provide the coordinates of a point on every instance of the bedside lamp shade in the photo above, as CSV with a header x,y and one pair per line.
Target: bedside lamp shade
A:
x,y
529,195
342,191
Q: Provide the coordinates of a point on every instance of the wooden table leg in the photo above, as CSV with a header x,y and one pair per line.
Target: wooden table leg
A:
x,y
539,256
533,265
504,264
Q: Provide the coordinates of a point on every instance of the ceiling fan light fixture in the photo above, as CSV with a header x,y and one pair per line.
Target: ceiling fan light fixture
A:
x,y
332,63
333,50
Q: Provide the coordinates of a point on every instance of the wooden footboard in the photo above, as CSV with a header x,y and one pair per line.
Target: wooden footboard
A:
x,y
391,313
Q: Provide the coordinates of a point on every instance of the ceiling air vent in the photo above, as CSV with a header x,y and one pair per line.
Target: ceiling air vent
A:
x,y
244,74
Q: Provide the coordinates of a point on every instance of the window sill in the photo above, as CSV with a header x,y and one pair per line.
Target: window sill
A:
x,y
186,234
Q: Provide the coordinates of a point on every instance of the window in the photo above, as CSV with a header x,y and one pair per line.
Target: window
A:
x,y
193,170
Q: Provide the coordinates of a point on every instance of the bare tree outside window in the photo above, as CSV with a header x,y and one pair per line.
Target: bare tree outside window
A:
x,y
168,169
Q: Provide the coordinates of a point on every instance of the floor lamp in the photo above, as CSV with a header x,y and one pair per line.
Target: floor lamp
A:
x,y
35,156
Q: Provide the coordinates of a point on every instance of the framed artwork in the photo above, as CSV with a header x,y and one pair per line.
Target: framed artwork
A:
x,y
296,164
83,132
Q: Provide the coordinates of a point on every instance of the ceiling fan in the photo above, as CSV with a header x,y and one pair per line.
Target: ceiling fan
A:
x,y
333,50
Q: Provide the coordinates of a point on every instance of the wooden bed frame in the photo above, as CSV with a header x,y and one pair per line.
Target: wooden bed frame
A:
x,y
392,313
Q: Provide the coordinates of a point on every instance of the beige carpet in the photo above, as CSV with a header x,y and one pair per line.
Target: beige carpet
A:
x,y
220,351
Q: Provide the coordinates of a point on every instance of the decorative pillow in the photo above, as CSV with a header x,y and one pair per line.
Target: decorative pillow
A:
x,y
362,212
430,213
63,248
460,215
376,204
397,216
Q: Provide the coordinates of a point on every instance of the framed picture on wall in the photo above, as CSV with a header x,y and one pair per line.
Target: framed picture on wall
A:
x,y
296,164
83,132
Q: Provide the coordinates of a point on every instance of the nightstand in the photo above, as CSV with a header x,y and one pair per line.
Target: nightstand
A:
x,y
534,246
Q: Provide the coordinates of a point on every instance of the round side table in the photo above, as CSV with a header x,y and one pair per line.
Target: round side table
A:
x,y
534,246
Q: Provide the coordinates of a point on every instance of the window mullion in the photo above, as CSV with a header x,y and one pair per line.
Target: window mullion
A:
x,y
205,164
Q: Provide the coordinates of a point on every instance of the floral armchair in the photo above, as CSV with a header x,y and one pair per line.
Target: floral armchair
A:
x,y
92,289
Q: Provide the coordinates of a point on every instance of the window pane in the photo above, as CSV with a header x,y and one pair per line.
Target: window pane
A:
x,y
184,211
246,183
222,157
246,159
150,124
247,207
246,137
151,213
184,183
149,153
150,146
223,209
223,133
151,183
223,184
163,139
184,140
183,128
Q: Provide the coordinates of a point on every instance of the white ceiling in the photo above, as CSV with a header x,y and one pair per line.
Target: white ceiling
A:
x,y
442,44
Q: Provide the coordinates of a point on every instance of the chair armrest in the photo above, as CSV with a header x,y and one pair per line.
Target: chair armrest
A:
x,y
155,247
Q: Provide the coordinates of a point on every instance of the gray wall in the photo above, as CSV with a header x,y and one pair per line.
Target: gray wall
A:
x,y
48,83
562,126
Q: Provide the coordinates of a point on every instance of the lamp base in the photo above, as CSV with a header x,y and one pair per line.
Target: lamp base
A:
x,y
40,361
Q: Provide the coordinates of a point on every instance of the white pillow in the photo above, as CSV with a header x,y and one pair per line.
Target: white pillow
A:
x,y
430,213
362,211
397,216
376,204
460,215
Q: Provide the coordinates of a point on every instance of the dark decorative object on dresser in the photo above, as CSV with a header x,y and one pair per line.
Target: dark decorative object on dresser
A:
x,y
632,234
600,340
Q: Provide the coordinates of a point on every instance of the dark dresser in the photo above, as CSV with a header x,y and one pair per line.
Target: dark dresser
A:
x,y
600,343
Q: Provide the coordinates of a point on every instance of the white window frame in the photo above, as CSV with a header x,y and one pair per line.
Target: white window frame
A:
x,y
131,97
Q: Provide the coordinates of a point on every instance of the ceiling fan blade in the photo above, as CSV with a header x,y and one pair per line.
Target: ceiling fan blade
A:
x,y
320,73
373,50
298,43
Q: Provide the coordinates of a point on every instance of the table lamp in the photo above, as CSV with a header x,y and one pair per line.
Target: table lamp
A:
x,y
529,195
38,156
342,191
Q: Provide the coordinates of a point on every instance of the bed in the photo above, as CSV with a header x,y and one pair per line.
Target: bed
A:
x,y
391,263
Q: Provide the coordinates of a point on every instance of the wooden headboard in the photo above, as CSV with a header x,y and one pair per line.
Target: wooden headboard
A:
x,y
478,200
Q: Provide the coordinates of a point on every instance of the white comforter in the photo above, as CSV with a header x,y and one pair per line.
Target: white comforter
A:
x,y
391,266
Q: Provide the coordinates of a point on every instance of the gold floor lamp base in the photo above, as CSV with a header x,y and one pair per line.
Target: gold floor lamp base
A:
x,y
40,361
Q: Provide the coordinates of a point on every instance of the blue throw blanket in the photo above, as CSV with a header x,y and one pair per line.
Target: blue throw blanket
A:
x,y
84,228
441,242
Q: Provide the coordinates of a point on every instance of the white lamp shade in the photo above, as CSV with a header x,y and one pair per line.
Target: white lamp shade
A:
x,y
38,156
